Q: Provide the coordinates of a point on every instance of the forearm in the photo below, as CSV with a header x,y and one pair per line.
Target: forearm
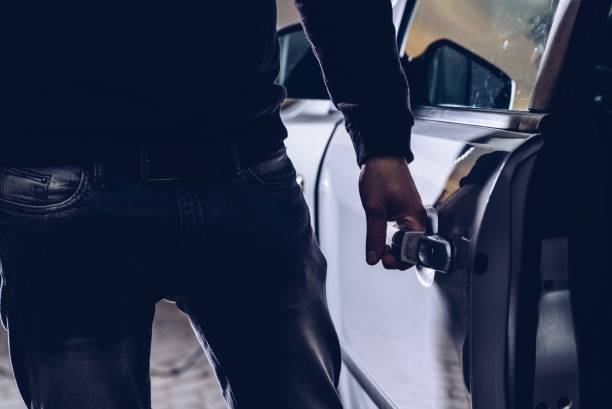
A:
x,y
356,45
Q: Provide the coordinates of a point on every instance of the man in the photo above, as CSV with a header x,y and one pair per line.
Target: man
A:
x,y
142,159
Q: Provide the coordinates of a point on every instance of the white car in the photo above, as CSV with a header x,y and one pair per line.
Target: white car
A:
x,y
510,98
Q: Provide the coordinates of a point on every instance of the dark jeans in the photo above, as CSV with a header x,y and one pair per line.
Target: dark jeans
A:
x,y
87,251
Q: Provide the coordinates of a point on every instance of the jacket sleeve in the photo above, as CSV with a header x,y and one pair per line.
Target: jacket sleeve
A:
x,y
355,43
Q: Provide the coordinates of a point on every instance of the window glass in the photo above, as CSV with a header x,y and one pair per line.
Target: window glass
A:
x,y
509,34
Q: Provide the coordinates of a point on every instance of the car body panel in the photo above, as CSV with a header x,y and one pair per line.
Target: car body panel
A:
x,y
410,338
310,126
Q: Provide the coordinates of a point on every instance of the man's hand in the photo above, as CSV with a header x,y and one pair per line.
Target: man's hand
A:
x,y
388,193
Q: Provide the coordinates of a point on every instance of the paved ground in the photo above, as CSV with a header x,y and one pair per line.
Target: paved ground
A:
x,y
173,343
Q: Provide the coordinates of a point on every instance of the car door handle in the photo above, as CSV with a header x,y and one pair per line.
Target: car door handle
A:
x,y
427,250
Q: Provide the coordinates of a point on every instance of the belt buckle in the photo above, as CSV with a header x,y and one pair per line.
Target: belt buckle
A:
x,y
145,169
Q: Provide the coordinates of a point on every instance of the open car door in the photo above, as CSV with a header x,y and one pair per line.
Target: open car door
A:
x,y
498,331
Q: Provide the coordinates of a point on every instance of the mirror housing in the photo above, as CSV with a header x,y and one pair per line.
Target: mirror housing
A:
x,y
447,74
300,72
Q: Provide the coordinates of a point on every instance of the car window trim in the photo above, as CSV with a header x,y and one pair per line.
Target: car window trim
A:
x,y
554,54
522,121
402,30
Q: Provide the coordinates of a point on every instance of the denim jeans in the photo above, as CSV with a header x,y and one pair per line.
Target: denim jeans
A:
x,y
88,250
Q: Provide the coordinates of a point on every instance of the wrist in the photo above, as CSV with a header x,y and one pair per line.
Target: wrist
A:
x,y
390,159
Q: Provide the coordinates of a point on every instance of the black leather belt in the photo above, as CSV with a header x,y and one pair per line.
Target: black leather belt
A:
x,y
190,161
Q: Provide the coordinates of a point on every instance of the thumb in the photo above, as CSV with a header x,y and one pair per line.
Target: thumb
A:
x,y
376,236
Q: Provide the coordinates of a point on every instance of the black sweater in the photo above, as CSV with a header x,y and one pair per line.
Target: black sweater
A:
x,y
95,76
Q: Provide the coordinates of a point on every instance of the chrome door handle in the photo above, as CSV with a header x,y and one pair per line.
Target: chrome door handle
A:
x,y
427,250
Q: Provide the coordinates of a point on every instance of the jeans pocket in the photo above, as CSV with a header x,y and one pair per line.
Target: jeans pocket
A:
x,y
37,189
275,173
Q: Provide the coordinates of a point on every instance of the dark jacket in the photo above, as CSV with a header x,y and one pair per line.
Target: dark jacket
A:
x,y
96,76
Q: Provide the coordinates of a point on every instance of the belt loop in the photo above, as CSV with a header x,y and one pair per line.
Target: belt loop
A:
x,y
236,159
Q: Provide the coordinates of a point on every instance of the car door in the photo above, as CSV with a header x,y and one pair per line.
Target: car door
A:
x,y
484,75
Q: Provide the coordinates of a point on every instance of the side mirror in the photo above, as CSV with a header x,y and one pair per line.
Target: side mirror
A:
x,y
300,72
447,74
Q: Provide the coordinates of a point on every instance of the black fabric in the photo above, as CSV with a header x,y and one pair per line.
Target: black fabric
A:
x,y
88,77
189,162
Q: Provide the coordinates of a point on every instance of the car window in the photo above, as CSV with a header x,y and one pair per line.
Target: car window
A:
x,y
509,34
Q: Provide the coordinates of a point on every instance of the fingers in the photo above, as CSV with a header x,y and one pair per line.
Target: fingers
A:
x,y
376,236
391,263
376,248
412,221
